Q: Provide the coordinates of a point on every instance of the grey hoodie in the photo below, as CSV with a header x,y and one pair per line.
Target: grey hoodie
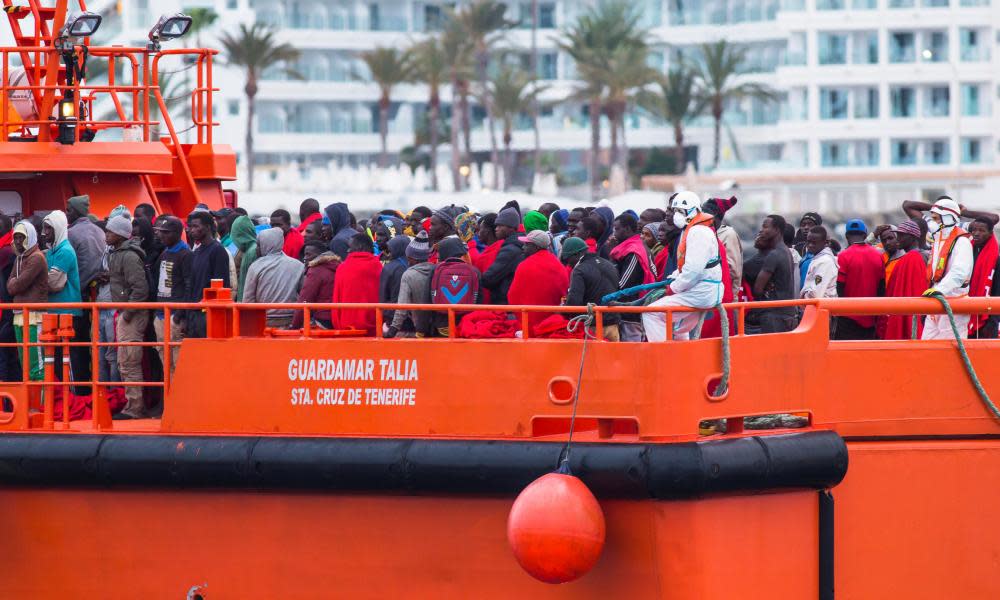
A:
x,y
273,277
415,288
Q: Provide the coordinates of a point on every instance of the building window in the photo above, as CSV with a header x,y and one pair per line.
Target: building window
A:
x,y
971,151
937,152
934,3
434,18
901,47
547,66
901,3
864,4
832,103
833,154
903,101
866,153
904,152
935,47
971,46
866,103
832,49
233,107
937,102
865,51
970,100
830,4
232,4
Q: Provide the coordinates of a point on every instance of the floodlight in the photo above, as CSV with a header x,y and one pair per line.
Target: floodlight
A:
x,y
81,25
170,27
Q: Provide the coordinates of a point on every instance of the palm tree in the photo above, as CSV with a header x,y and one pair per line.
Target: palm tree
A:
x,y
719,69
513,95
675,102
389,67
603,30
255,49
456,47
482,21
431,66
201,19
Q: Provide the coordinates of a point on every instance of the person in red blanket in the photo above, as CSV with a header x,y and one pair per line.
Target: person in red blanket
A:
x,y
292,247
308,214
357,281
540,279
487,235
907,279
985,280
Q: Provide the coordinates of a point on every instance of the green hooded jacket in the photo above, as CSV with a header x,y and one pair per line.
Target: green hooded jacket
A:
x,y
244,235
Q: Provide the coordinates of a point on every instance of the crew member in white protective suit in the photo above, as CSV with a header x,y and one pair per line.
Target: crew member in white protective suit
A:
x,y
950,268
697,282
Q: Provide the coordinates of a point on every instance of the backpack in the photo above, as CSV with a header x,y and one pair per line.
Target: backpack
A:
x,y
455,282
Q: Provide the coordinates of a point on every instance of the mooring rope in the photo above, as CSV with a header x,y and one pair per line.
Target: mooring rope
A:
x,y
586,320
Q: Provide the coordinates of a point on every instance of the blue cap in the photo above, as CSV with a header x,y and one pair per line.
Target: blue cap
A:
x,y
856,226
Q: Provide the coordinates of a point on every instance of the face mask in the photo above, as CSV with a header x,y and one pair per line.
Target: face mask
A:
x,y
933,227
680,222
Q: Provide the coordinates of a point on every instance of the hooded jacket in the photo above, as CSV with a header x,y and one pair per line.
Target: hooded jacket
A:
x,y
392,273
89,244
498,277
64,273
415,288
274,276
127,274
340,223
29,279
244,235
317,286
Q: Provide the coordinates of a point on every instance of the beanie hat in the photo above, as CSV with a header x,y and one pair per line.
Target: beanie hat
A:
x,y
718,206
465,226
81,204
121,226
419,248
120,211
814,216
535,221
451,247
571,247
910,228
560,218
509,217
448,214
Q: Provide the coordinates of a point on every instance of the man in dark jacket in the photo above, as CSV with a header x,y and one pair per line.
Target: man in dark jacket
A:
x,y
340,223
392,273
173,279
88,242
592,278
210,261
127,274
498,277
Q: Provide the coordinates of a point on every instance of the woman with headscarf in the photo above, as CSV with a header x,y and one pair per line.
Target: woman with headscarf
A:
x,y
244,235
28,283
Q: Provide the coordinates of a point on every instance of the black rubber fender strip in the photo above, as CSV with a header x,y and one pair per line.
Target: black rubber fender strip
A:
x,y
806,460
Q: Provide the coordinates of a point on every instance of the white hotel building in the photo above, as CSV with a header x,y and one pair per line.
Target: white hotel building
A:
x,y
882,99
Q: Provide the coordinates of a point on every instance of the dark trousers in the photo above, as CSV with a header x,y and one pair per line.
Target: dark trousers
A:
x,y
10,365
79,356
849,329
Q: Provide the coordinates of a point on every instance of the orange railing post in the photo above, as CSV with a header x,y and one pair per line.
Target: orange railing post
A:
x,y
218,316
101,417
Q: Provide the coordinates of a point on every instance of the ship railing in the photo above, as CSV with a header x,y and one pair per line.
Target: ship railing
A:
x,y
142,93
227,319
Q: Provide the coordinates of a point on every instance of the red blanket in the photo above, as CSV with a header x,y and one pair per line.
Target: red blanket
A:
x,y
909,279
540,280
661,263
483,261
293,244
308,221
356,281
485,324
982,279
554,328
634,245
712,328
81,407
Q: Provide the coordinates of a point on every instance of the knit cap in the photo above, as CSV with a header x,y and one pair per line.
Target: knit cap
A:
x,y
509,217
419,248
121,226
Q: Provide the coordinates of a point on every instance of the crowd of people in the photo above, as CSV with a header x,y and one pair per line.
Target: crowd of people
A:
x,y
684,255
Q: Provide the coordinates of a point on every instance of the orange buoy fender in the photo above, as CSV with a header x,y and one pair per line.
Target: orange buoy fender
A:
x,y
556,528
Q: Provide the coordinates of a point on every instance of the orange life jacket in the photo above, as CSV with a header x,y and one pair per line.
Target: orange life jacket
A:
x,y
935,270
702,219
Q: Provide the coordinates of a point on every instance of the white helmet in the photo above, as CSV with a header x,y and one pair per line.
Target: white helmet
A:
x,y
948,210
688,203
